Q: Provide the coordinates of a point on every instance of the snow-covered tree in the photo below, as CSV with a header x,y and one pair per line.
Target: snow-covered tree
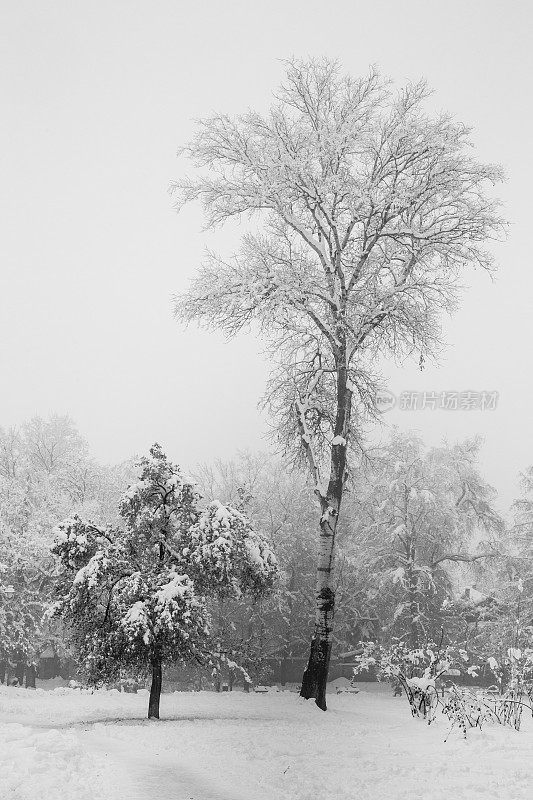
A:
x,y
505,603
370,211
135,597
516,588
51,445
281,505
523,518
45,474
418,512
28,511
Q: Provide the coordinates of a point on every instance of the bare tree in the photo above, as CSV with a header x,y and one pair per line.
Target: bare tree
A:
x,y
419,511
11,453
52,444
370,210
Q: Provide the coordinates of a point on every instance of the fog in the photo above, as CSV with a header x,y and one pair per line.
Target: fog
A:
x,y
99,98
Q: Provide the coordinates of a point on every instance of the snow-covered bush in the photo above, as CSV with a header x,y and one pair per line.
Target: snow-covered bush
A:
x,y
415,671
135,597
467,708
517,668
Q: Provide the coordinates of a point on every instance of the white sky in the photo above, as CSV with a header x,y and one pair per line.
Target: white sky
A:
x,y
97,98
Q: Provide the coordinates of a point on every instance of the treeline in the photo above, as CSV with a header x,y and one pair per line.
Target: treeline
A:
x,y
423,554
46,473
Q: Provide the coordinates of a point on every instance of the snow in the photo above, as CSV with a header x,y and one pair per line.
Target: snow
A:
x,y
398,575
176,588
42,763
476,596
88,573
236,746
254,553
136,619
134,489
136,614
339,440
223,515
422,684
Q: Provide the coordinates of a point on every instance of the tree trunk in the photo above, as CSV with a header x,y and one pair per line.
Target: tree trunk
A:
x,y
31,673
19,672
315,677
316,674
155,689
414,638
287,651
412,593
3,669
282,670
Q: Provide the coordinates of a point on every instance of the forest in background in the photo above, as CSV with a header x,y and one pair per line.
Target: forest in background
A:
x,y
423,553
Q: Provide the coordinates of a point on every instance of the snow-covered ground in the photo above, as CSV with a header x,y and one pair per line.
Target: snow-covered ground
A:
x,y
79,746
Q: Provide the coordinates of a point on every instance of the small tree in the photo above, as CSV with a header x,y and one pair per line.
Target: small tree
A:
x,y
134,597
371,212
413,671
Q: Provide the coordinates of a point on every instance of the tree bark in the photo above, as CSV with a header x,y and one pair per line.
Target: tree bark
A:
x,y
31,674
315,677
19,672
411,578
155,688
287,650
414,610
283,669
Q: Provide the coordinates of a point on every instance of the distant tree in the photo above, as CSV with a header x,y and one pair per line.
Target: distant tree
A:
x,y
45,475
27,515
504,617
134,597
272,630
418,513
52,444
11,454
21,609
520,565
523,518
371,211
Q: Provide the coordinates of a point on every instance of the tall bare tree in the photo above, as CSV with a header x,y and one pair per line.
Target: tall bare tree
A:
x,y
369,212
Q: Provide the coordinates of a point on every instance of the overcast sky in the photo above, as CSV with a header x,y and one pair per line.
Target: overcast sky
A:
x,y
99,95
